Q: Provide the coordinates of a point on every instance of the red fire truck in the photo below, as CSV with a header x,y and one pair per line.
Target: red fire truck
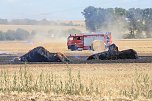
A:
x,y
84,41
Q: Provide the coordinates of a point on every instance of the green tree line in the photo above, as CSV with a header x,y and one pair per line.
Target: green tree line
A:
x,y
24,35
12,35
35,22
136,21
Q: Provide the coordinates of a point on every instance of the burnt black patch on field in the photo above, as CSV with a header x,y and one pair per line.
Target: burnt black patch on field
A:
x,y
9,59
15,59
114,54
40,54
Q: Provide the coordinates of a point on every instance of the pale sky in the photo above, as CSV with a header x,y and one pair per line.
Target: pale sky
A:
x,y
61,9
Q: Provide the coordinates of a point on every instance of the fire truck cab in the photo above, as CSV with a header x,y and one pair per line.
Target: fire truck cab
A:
x,y
84,41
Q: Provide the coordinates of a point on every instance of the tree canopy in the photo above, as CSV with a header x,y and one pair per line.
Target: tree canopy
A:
x,y
137,22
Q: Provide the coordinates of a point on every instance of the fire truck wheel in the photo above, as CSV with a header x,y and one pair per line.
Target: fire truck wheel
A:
x,y
69,47
98,45
73,47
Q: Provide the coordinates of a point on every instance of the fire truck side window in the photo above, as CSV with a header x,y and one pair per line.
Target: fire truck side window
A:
x,y
78,38
108,39
74,38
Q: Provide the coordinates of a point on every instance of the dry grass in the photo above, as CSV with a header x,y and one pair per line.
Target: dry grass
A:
x,y
115,81
141,46
23,47
110,79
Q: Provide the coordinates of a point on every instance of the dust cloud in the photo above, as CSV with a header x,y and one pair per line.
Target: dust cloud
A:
x,y
118,28
50,36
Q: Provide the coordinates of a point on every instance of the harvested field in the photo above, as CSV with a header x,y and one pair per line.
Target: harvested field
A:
x,y
17,48
141,46
11,49
114,80
110,80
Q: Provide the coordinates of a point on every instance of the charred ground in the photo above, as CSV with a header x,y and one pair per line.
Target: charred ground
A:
x,y
143,58
7,53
